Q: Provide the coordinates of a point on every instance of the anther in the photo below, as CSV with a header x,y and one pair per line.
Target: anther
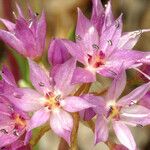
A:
x,y
16,95
95,46
16,133
109,42
41,84
78,37
4,131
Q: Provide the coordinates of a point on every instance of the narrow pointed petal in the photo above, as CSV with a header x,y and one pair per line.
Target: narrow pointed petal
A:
x,y
12,41
20,13
57,52
109,18
128,57
129,39
41,34
135,95
75,104
111,36
75,50
82,75
117,86
8,76
39,78
23,33
39,118
9,25
28,100
63,77
136,114
124,135
61,123
145,101
101,130
97,14
86,33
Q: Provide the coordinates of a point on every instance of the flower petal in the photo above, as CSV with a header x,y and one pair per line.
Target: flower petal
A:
x,y
135,95
8,76
101,130
124,135
97,17
63,76
136,114
111,36
27,99
117,86
75,104
39,78
129,39
40,34
39,118
12,41
75,50
57,52
62,123
82,75
9,25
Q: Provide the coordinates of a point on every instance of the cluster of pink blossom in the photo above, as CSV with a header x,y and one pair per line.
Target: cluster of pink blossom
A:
x,y
100,48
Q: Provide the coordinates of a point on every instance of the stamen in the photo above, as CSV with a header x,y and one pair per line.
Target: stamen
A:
x,y
109,42
41,84
16,133
4,131
95,46
78,37
16,95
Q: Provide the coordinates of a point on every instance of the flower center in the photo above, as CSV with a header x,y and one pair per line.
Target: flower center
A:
x,y
96,60
19,121
52,101
114,112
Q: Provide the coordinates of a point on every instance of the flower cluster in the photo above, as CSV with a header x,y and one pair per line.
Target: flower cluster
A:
x,y
62,96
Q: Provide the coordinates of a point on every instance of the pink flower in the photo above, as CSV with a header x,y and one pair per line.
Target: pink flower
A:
x,y
53,100
104,51
25,36
121,111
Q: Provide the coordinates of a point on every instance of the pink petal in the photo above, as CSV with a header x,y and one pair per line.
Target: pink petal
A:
x,y
40,34
63,76
75,50
145,101
24,34
9,25
128,57
8,76
136,115
39,118
75,104
62,123
124,135
28,101
135,95
12,41
39,78
129,39
109,18
97,17
111,36
117,86
82,75
57,52
20,13
101,130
